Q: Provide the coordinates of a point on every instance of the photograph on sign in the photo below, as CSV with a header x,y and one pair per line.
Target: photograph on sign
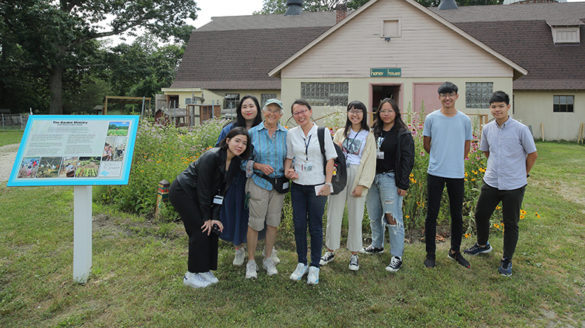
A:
x,y
75,150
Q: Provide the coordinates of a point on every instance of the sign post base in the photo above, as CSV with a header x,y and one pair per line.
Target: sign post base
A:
x,y
82,233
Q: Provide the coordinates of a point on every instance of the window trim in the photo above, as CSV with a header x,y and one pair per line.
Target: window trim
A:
x,y
557,105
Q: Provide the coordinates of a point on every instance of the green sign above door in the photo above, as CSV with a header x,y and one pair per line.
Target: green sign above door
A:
x,y
386,72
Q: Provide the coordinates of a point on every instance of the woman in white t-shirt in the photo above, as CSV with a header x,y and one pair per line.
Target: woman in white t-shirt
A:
x,y
310,187
359,147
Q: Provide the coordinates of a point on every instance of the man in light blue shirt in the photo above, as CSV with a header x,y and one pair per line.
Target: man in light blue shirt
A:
x,y
511,152
447,137
263,169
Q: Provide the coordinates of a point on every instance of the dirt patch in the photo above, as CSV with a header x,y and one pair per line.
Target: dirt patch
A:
x,y
7,157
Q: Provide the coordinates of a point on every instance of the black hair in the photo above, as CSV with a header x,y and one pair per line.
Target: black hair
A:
x,y
500,96
357,105
302,102
240,121
379,124
236,132
447,87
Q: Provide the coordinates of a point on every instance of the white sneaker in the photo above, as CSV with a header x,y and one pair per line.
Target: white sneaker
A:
x,y
195,280
313,278
273,256
268,264
209,277
240,256
251,269
299,272
354,263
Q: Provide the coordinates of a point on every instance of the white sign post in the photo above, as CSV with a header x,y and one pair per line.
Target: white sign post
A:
x,y
79,151
82,229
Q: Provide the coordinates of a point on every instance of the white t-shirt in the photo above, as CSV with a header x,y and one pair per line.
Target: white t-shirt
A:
x,y
305,152
353,146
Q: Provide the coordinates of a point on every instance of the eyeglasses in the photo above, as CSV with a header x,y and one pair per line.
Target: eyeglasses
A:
x,y
355,111
448,95
301,112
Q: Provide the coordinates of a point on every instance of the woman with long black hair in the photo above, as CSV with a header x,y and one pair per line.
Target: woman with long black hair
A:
x,y
395,159
197,194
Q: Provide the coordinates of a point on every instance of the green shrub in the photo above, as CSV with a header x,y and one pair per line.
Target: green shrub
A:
x,y
161,152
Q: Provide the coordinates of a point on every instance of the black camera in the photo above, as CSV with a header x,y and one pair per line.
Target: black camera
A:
x,y
215,230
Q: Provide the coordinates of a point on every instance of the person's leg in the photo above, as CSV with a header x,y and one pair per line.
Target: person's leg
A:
x,y
374,207
486,204
273,217
335,211
190,214
435,187
258,207
300,206
355,216
393,215
455,190
511,205
316,207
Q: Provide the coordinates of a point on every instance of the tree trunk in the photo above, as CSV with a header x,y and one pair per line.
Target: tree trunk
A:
x,y
56,89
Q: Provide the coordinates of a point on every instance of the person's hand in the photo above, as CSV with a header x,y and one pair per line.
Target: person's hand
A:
x,y
401,192
206,227
325,190
357,192
291,174
265,168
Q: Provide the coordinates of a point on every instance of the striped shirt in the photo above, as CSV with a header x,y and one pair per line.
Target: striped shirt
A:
x,y
268,150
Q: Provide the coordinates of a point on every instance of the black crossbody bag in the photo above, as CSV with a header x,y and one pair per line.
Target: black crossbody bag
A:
x,y
281,185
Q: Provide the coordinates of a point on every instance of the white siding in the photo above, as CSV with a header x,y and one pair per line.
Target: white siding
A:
x,y
425,48
535,108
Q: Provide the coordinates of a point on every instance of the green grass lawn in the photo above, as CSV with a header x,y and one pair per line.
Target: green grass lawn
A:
x,y
136,278
9,136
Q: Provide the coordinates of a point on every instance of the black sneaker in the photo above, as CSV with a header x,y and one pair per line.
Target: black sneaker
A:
x,y
459,259
395,264
476,249
505,268
326,258
430,261
371,250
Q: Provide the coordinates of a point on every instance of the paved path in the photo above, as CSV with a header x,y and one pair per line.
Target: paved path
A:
x,y
7,157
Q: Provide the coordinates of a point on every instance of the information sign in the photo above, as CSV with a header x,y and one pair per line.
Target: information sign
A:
x,y
78,150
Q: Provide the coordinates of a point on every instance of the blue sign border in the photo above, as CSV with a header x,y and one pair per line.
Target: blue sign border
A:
x,y
123,180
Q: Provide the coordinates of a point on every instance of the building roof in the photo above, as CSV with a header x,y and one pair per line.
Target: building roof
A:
x,y
517,68
523,34
259,42
573,12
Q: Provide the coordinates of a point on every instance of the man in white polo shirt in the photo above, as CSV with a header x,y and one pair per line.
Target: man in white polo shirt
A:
x,y
511,153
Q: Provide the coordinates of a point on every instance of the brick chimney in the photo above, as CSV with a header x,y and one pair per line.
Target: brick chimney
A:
x,y
340,12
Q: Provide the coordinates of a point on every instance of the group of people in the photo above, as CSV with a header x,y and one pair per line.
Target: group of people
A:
x,y
236,190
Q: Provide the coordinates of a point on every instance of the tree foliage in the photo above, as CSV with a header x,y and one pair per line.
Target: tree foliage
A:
x,y
53,40
279,6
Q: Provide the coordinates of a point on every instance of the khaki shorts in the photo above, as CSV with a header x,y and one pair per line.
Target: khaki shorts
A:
x,y
264,205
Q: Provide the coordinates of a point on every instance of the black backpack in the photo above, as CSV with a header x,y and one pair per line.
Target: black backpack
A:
x,y
339,179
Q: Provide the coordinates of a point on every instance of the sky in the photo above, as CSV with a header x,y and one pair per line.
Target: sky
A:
x,y
211,8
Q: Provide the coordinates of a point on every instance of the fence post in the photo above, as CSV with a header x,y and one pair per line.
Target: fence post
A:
x,y
161,196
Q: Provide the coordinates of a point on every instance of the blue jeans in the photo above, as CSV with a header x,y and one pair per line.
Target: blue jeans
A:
x,y
308,208
383,198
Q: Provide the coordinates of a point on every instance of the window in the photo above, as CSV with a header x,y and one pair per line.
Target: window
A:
x,y
477,94
566,34
231,100
325,93
390,28
563,104
266,96
187,101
